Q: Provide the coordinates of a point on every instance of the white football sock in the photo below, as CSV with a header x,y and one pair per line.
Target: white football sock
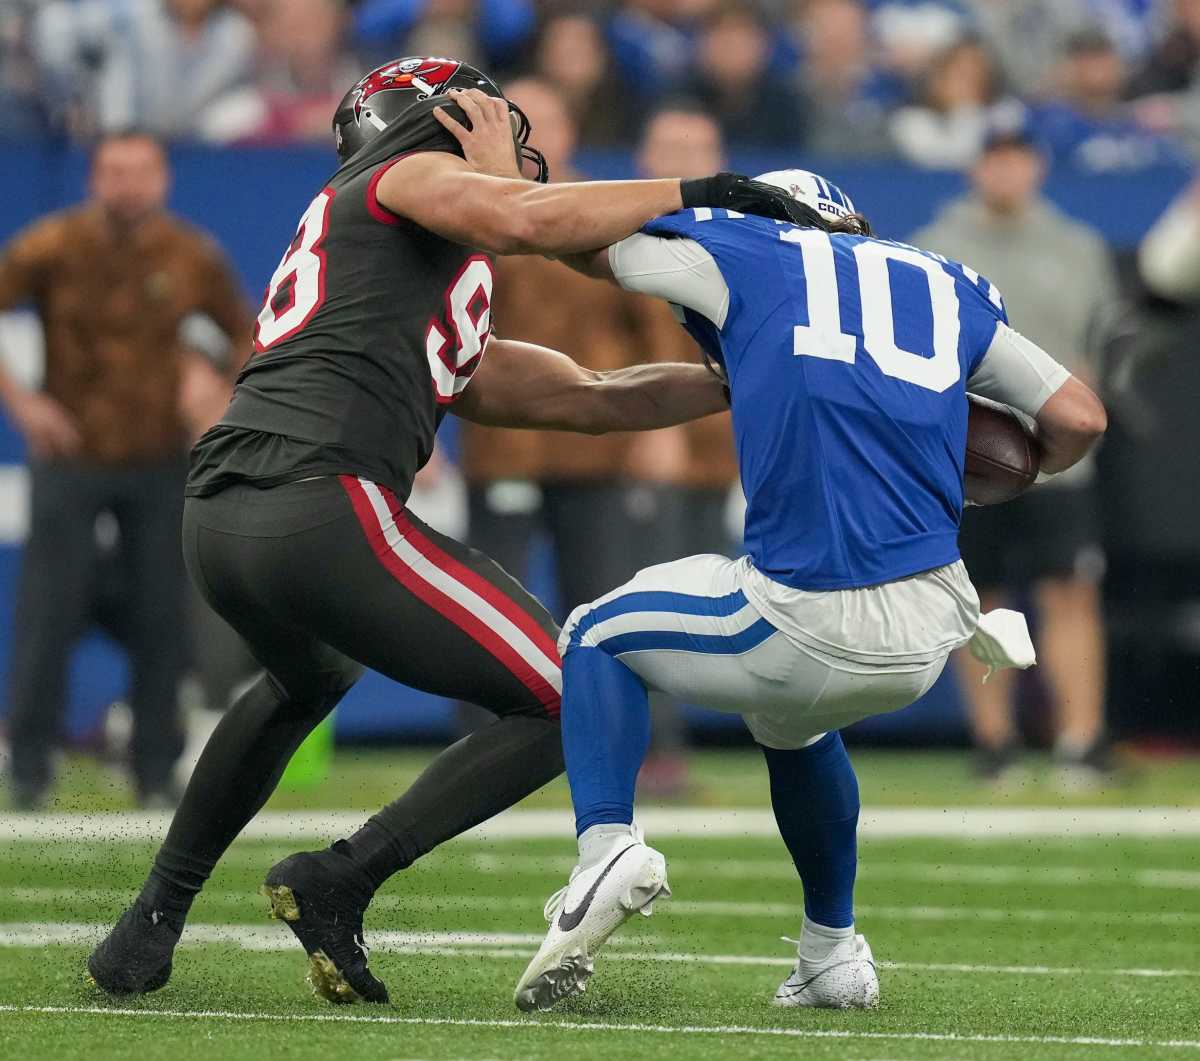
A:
x,y
818,941
596,842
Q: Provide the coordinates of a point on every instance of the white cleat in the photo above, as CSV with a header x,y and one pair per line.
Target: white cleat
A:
x,y
593,905
846,979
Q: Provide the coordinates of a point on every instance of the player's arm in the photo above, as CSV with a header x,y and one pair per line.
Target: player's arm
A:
x,y
1070,417
480,200
678,270
521,385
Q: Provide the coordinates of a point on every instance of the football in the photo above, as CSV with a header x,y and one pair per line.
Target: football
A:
x,y
1003,457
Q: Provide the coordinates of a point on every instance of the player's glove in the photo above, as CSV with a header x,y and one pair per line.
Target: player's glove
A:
x,y
733,191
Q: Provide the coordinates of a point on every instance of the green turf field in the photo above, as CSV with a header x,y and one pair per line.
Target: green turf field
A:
x,y
1054,946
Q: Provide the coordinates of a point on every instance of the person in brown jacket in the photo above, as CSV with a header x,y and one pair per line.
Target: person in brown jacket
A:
x,y
111,280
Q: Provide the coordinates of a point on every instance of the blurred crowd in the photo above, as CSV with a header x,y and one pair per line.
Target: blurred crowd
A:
x,y
1108,84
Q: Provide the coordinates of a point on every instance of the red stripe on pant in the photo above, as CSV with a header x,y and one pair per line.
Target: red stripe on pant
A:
x,y
472,625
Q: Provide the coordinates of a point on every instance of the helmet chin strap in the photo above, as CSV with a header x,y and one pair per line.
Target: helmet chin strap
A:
x,y
375,120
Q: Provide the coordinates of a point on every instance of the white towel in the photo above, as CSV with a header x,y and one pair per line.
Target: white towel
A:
x,y
1002,640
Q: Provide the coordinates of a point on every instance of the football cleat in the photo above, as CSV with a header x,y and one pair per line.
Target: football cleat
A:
x,y
315,894
845,979
593,905
135,957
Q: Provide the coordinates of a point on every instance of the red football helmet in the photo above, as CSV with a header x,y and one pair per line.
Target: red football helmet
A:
x,y
389,91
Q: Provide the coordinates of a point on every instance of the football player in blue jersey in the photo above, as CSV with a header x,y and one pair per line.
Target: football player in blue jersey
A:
x,y
848,360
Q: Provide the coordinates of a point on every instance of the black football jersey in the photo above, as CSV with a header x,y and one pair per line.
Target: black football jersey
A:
x,y
370,327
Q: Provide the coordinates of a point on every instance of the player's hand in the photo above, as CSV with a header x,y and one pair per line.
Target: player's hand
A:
x,y
488,144
49,430
733,191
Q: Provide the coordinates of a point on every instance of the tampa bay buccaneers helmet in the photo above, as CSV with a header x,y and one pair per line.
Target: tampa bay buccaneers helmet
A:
x,y
392,90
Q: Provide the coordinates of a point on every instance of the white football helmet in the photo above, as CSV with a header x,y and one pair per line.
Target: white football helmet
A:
x,y
825,197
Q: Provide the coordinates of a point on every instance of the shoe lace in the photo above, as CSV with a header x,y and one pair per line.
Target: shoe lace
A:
x,y
555,903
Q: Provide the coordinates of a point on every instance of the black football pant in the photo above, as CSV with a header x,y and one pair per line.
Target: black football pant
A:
x,y
321,578
59,597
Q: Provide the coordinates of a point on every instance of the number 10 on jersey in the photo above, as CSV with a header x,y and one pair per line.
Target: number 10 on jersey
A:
x,y
823,336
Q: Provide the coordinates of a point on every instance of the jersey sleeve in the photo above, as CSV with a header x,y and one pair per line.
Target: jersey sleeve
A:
x,y
679,270
1017,372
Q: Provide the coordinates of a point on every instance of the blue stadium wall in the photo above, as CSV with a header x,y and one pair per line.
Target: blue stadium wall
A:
x,y
250,201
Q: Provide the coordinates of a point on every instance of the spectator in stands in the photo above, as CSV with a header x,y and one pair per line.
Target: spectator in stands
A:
x,y
681,477
912,33
945,130
1056,275
652,45
22,113
112,280
733,80
1089,125
302,74
846,96
1168,87
1028,34
572,57
487,33
161,65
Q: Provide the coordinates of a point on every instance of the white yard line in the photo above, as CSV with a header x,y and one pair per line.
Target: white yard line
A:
x,y
605,1026
871,870
504,945
673,908
888,823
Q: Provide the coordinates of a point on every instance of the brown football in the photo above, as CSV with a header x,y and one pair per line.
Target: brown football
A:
x,y
1002,454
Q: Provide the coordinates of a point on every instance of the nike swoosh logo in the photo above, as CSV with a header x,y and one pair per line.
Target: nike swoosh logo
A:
x,y
568,921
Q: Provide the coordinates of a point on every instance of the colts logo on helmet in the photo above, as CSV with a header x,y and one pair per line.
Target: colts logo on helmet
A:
x,y
427,76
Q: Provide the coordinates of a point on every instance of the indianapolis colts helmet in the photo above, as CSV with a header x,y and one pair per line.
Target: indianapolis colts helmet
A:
x,y
825,197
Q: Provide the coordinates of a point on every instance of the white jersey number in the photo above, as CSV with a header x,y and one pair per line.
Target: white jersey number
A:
x,y
297,287
456,338
823,336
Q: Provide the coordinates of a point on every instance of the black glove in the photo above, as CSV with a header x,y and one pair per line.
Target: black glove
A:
x,y
736,192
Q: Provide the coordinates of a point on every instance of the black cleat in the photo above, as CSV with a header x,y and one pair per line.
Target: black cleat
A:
x,y
135,957
316,894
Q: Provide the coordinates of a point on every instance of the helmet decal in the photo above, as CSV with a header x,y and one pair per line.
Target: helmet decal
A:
x,y
429,76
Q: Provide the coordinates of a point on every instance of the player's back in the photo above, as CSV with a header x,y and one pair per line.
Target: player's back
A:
x,y
369,328
847,358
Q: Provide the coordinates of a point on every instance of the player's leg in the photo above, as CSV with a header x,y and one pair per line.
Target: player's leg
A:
x,y
53,601
247,752
679,615
433,614
814,794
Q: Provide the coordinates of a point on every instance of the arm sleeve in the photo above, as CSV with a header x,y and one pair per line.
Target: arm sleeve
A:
x,y
1017,372
679,270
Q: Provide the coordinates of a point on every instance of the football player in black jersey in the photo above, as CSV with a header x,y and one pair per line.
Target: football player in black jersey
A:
x,y
375,324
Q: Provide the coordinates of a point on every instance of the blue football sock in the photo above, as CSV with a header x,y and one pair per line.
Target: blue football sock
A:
x,y
815,797
605,731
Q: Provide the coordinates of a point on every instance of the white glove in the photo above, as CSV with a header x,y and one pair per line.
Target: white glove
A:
x,y
1002,640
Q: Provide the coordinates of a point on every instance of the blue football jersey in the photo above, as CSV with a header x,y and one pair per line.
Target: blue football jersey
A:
x,y
847,359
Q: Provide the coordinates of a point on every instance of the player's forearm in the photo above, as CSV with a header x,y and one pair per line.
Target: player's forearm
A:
x,y
647,397
1069,425
564,219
